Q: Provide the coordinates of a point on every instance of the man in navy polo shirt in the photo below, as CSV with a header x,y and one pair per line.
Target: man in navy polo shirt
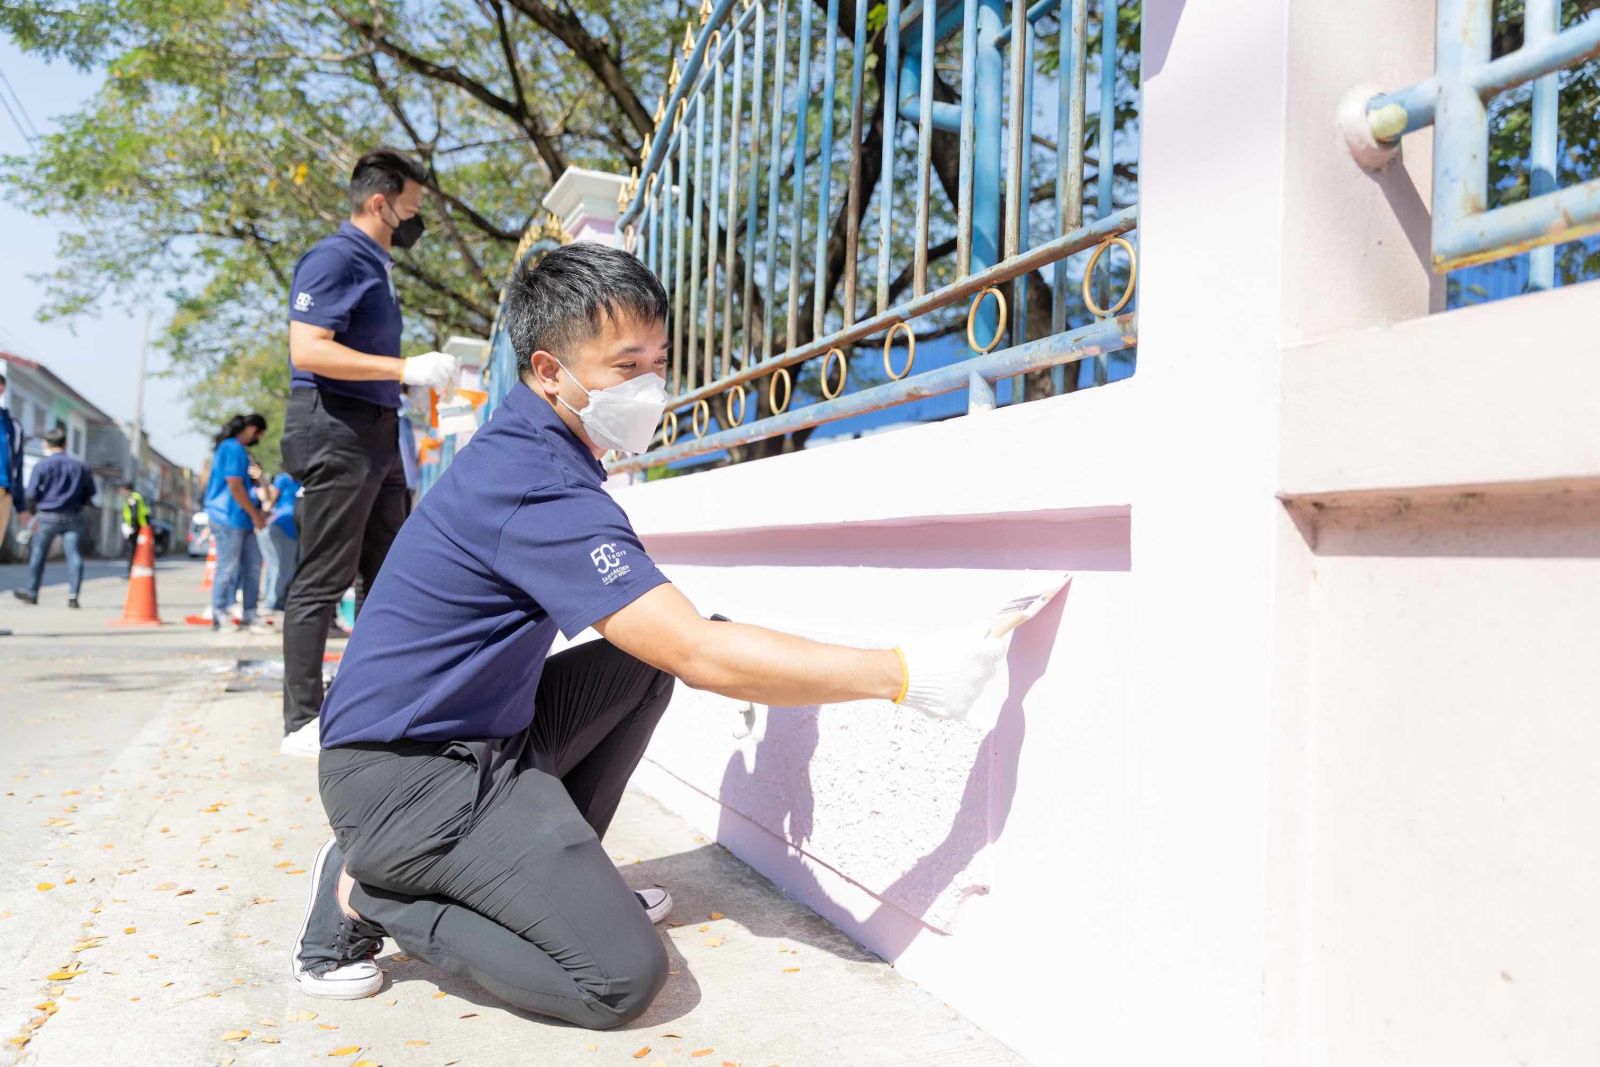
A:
x,y
469,779
340,437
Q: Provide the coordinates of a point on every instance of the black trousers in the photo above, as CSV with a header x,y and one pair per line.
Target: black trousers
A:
x,y
483,857
346,453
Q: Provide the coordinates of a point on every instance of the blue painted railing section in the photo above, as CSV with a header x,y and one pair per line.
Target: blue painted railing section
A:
x,y
1455,102
801,202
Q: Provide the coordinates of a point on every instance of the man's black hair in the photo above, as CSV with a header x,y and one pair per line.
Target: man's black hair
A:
x,y
384,171
560,302
127,486
2,379
56,436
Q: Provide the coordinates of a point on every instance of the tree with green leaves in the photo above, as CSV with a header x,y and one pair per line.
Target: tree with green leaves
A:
x,y
218,149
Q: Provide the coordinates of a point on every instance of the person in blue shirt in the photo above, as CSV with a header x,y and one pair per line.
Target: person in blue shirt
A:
x,y
234,517
340,438
12,496
468,775
60,488
285,538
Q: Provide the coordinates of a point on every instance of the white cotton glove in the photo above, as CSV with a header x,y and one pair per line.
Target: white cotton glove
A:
x,y
946,672
436,370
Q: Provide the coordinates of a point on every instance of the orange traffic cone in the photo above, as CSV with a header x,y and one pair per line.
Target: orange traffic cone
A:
x,y
211,563
140,607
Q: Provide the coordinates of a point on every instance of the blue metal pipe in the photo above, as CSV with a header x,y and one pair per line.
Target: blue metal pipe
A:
x,y
987,153
891,89
1564,215
1093,340
1540,20
819,272
1461,138
797,221
1418,103
1035,13
774,176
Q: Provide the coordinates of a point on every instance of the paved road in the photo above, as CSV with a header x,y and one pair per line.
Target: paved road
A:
x,y
154,847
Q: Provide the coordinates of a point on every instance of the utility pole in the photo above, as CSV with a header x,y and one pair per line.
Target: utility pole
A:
x,y
136,446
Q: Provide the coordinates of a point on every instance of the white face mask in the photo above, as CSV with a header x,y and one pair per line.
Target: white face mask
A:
x,y
625,416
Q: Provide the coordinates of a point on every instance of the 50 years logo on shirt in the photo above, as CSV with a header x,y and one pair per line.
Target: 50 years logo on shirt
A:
x,y
608,562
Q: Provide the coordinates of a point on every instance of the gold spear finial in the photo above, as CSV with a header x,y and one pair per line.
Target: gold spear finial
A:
x,y
661,109
705,12
644,149
673,75
688,38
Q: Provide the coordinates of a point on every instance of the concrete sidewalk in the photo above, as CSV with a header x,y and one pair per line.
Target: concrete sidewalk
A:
x,y
157,844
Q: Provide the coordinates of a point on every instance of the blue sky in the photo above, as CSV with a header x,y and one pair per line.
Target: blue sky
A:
x,y
99,356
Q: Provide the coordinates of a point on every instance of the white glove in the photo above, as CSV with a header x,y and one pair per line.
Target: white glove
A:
x,y
436,370
946,672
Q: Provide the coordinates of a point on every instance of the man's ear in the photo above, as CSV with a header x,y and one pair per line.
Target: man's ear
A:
x,y
545,373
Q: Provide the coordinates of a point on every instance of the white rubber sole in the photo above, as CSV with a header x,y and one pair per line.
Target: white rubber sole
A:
x,y
660,908
353,981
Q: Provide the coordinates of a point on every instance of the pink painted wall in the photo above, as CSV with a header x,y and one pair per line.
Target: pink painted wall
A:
x,y
1302,768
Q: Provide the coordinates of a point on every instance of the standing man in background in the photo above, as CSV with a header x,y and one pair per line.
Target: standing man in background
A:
x,y
60,488
234,518
11,494
135,517
340,438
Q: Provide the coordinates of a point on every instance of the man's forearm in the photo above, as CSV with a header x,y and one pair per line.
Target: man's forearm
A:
x,y
330,359
766,667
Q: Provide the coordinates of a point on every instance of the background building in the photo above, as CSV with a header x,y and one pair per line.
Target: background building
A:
x,y
39,399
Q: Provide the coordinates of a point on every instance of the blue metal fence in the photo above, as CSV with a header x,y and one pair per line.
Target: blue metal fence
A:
x,y
757,200
1454,101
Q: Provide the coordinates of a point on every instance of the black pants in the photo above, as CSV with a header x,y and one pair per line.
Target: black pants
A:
x,y
483,857
346,453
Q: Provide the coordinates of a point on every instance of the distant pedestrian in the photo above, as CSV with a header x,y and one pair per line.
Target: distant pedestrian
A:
x,y
60,488
234,518
11,494
135,517
340,439
285,537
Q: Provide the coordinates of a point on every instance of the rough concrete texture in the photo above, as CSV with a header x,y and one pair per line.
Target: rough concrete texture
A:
x,y
171,840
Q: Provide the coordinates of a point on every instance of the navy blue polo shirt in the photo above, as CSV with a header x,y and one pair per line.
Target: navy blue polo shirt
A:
x,y
516,540
344,284
61,483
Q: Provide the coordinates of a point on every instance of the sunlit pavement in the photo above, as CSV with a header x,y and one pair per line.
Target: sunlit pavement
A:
x,y
157,846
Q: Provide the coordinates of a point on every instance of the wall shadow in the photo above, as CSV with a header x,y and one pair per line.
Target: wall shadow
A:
x,y
791,741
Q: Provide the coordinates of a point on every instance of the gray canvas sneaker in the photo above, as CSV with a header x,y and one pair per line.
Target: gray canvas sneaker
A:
x,y
334,954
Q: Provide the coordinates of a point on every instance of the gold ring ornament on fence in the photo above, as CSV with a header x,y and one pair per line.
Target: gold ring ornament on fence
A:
x,y
701,418
1088,275
844,372
669,428
716,43
911,351
772,390
630,237
972,319
727,405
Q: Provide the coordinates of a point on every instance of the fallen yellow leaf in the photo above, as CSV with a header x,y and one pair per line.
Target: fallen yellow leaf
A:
x,y
697,1053
642,1053
235,1035
48,1007
347,1050
366,1063
327,1026
440,995
791,970
63,975
45,887
164,886
415,1042
717,915
269,1039
713,942
302,1016
130,929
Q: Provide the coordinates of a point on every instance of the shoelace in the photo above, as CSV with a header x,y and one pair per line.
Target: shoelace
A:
x,y
353,941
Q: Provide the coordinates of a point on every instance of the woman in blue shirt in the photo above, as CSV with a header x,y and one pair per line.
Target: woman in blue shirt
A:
x,y
234,518
285,537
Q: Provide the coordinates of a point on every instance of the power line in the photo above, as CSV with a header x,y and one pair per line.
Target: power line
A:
x,y
26,139
32,132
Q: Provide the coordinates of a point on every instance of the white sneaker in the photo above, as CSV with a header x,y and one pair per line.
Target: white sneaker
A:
x,y
333,956
305,741
657,902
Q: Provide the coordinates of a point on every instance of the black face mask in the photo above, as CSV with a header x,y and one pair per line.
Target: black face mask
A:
x,y
407,232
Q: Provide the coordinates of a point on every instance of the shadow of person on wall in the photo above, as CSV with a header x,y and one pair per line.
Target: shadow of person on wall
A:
x,y
781,769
